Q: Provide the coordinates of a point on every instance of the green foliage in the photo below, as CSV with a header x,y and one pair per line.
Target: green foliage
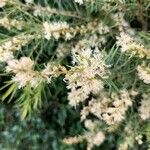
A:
x,y
30,99
38,132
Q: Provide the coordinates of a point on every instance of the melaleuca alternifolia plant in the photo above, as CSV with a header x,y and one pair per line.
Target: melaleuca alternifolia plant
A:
x,y
100,49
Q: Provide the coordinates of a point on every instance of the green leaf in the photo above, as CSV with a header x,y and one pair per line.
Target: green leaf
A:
x,y
11,90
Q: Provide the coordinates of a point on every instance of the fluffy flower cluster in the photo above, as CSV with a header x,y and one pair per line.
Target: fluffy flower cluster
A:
x,y
128,44
79,1
138,138
29,1
90,41
39,10
122,24
2,3
144,73
24,73
93,1
52,70
94,139
73,140
111,110
144,109
82,1
11,23
124,145
7,48
82,78
56,29
92,136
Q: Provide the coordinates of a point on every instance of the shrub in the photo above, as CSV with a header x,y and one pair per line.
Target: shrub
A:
x,y
90,56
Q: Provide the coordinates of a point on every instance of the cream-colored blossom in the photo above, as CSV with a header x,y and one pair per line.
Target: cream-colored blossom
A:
x,y
144,109
73,140
144,73
52,70
85,112
125,41
5,56
89,124
63,50
77,96
94,139
62,29
24,73
79,1
84,1
139,139
130,45
14,44
82,77
98,138
55,29
111,114
12,23
103,28
2,3
24,64
122,24
29,1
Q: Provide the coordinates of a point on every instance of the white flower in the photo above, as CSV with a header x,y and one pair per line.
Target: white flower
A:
x,y
7,48
77,96
121,22
111,114
89,124
79,1
4,22
95,138
73,140
52,70
29,1
6,56
47,31
54,29
98,138
2,3
124,41
22,79
144,109
84,113
144,73
24,64
24,73
37,12
82,77
125,144
68,36
11,23
129,44
139,139
62,50
103,28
